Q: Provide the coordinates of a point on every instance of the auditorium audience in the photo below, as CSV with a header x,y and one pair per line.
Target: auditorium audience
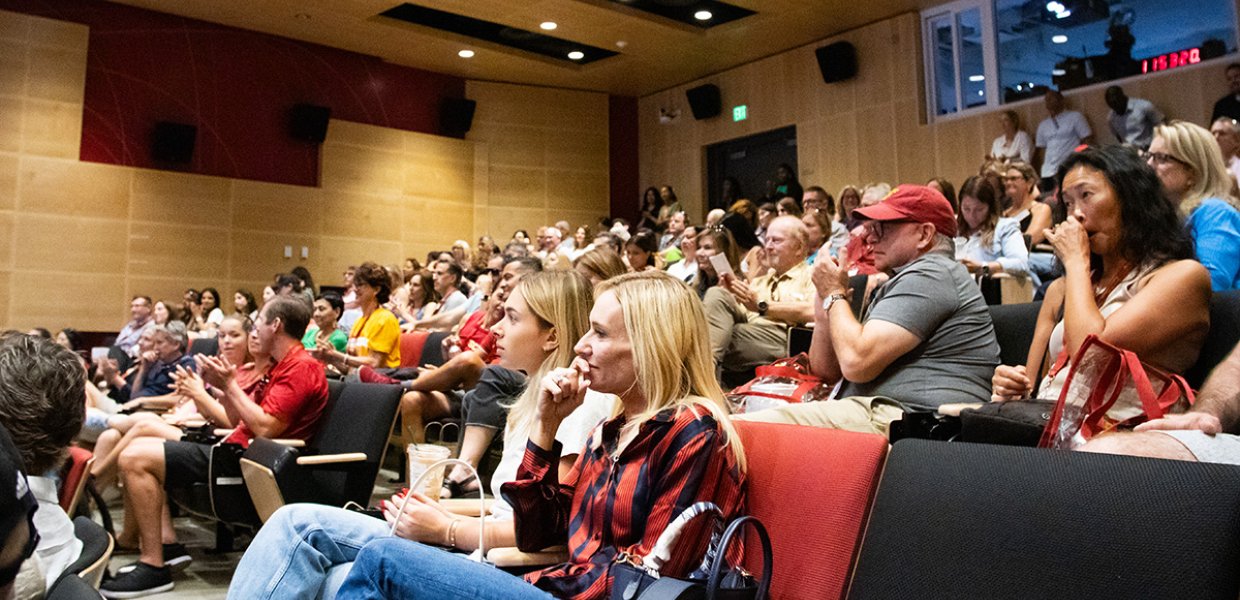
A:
x,y
716,240
652,203
673,423
1013,143
374,340
1226,132
289,406
420,299
675,228
1229,105
324,329
139,319
1061,132
749,321
946,188
641,252
991,244
766,212
788,207
926,337
1132,120
41,390
685,269
244,304
850,200
206,314
1190,166
785,185
163,312
1127,258
600,264
291,558
671,206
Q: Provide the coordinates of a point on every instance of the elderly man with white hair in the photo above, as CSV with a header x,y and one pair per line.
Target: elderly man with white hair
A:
x,y
1227,133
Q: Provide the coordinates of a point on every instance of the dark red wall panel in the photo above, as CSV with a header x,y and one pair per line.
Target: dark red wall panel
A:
x,y
236,86
622,153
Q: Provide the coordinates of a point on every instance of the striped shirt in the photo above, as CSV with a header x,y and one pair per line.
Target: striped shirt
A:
x,y
608,505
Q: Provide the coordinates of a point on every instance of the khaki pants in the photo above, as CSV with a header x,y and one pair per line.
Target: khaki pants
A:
x,y
738,339
864,414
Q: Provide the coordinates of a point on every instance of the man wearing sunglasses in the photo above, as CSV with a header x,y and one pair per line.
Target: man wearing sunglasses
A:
x,y
925,339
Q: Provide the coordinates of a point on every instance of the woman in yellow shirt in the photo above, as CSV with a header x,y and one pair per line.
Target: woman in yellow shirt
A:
x,y
375,338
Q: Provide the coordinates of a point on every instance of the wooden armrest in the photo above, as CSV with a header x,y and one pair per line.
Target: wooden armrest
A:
x,y
953,410
329,459
291,443
1044,247
511,557
192,423
467,506
221,432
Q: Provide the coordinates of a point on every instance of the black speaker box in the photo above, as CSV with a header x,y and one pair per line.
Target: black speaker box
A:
x,y
456,116
173,142
308,122
838,61
704,101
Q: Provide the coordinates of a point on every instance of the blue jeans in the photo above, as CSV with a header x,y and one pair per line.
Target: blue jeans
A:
x,y
397,568
303,551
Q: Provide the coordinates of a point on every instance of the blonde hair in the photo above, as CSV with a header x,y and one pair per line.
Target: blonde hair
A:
x,y
603,262
561,300
1196,147
672,357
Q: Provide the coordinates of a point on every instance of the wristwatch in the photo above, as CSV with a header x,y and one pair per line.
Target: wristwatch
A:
x,y
763,307
826,304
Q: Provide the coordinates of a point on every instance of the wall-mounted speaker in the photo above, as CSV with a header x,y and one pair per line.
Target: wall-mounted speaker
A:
x,y
308,122
456,116
838,61
173,142
704,101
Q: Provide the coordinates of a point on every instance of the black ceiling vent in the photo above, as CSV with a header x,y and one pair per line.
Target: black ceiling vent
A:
x,y
496,33
685,11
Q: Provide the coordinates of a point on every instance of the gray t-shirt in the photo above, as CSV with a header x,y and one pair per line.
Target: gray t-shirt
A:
x,y
935,298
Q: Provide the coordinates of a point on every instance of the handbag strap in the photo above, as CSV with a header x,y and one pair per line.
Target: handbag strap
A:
x,y
482,503
733,530
662,549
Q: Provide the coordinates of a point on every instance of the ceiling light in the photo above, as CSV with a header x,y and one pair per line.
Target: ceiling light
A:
x,y
977,78
1060,39
548,25
621,44
702,15
981,93
576,55
1059,72
465,54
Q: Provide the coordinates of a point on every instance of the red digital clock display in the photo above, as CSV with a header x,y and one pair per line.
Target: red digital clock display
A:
x,y
1171,60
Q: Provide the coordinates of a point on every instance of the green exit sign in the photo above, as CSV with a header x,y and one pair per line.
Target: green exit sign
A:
x,y
740,113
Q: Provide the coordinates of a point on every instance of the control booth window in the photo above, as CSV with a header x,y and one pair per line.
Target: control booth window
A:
x,y
1030,46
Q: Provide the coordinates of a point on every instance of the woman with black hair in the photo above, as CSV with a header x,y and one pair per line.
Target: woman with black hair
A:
x,y
1130,277
786,184
375,338
641,251
651,203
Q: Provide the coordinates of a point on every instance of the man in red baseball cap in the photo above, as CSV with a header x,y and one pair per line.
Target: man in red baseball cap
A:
x,y
925,339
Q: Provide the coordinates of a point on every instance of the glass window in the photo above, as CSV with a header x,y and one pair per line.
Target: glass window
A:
x,y
972,71
943,53
1072,43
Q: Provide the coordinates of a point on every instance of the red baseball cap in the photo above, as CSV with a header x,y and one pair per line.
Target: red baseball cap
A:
x,y
916,203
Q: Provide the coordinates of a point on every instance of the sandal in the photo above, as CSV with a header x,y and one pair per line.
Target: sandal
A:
x,y
458,489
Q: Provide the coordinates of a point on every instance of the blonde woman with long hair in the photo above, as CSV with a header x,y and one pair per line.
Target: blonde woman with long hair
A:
x,y
305,550
1190,165
670,445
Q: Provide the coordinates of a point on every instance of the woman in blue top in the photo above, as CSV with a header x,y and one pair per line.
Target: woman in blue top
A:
x,y
989,243
1190,165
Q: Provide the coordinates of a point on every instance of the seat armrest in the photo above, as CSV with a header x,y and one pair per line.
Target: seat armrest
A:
x,y
222,432
509,557
953,410
467,506
330,459
291,443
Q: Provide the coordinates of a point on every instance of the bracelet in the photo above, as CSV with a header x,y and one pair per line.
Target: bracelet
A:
x,y
452,533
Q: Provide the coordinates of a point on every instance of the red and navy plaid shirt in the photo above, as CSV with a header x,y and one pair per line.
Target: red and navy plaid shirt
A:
x,y
608,505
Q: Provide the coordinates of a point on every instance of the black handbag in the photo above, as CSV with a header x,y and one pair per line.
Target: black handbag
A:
x,y
1013,423
714,580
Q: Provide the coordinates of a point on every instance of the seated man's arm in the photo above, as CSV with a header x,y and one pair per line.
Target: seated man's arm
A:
x,y
442,321
1218,405
865,351
236,402
792,313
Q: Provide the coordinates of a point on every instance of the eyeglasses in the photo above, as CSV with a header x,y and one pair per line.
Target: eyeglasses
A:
x,y
878,229
1161,158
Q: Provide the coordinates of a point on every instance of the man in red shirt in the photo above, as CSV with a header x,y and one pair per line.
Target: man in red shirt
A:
x,y
289,405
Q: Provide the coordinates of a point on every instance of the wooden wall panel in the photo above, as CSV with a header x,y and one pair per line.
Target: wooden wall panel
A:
x,y
81,238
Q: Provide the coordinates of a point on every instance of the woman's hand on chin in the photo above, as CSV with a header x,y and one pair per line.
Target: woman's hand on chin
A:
x,y
1071,243
561,392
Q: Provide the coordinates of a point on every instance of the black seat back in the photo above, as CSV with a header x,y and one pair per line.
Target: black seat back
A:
x,y
1223,336
360,420
958,520
432,349
1014,325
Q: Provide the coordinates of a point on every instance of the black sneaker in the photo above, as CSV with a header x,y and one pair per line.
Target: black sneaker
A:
x,y
142,580
176,558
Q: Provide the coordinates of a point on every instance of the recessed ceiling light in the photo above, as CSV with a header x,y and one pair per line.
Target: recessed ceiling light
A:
x,y
1059,72
1060,39
621,44
702,15
548,25
977,78
576,55
465,54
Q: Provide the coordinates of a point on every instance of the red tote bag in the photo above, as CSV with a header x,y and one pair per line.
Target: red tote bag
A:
x,y
1109,388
